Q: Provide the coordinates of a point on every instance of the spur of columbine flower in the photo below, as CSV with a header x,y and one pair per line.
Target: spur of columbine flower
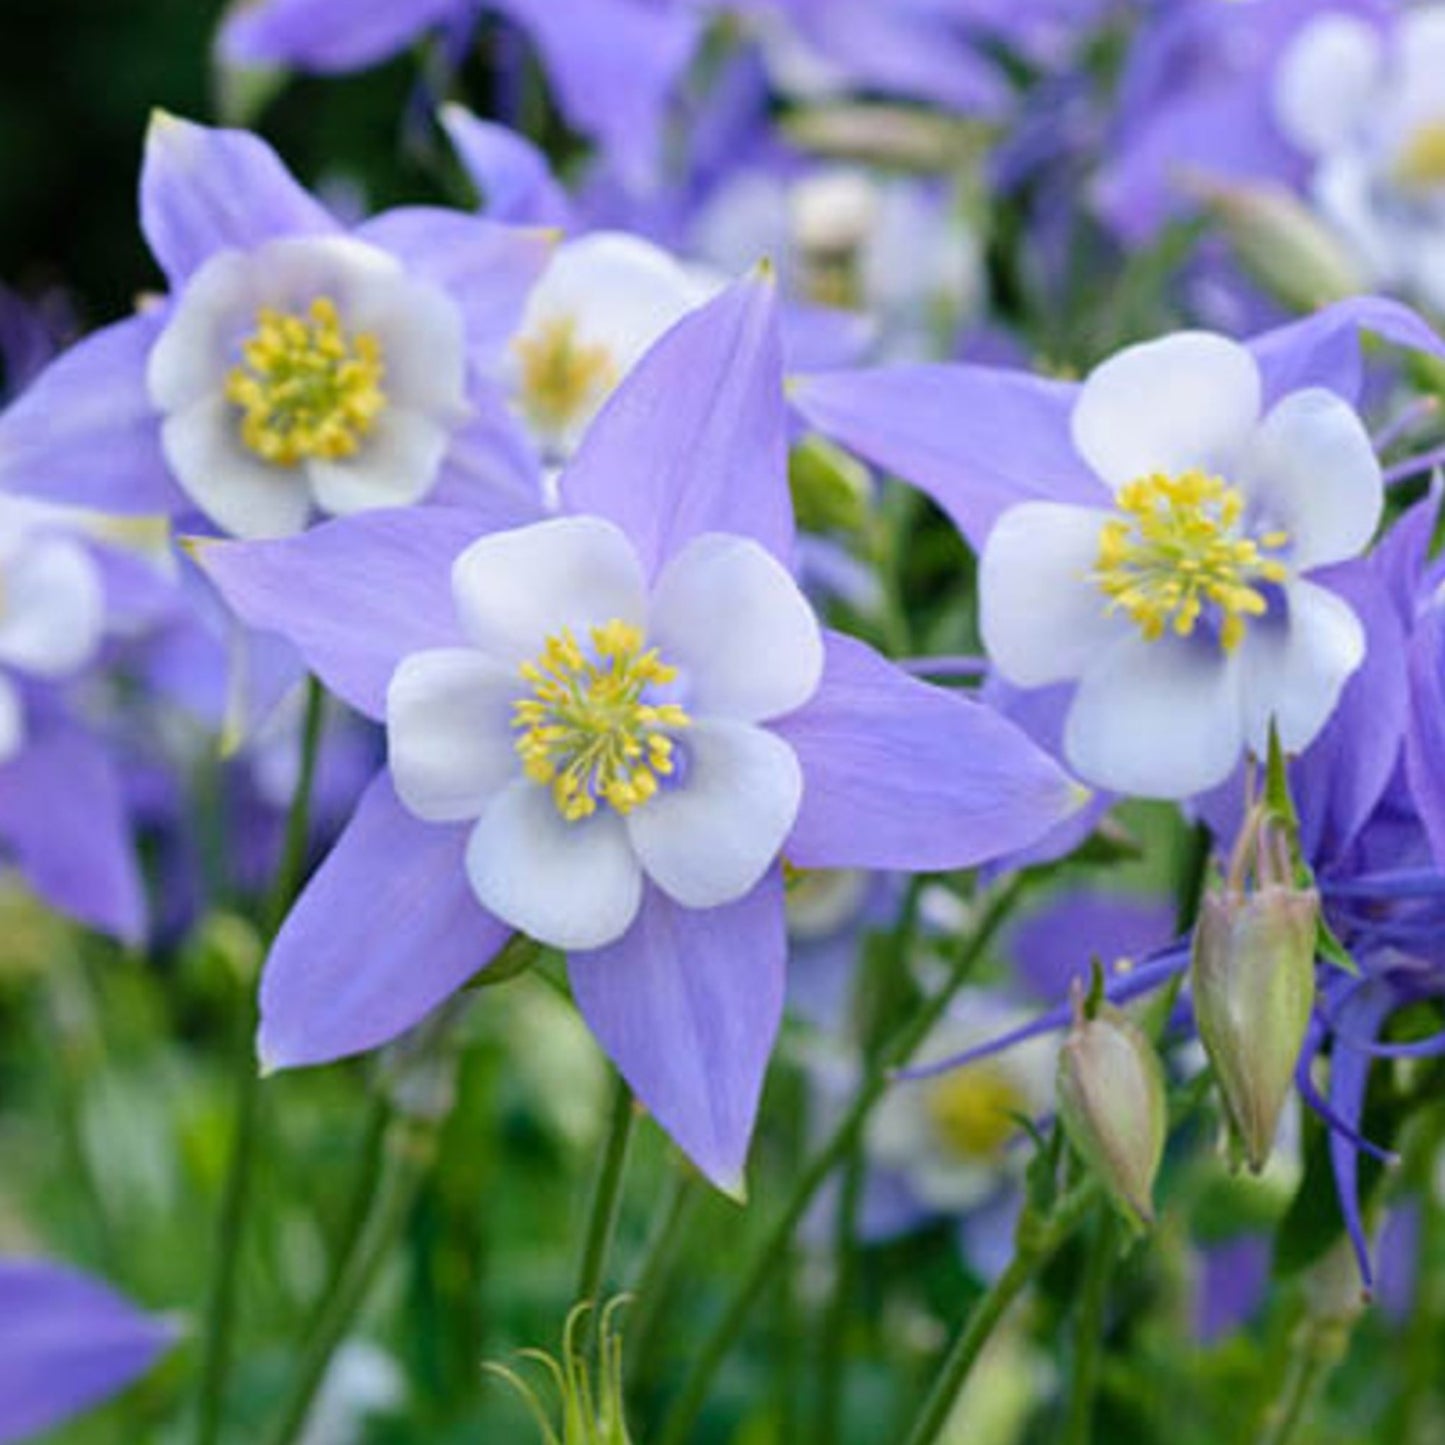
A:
x,y
606,730
1148,537
67,1343
295,366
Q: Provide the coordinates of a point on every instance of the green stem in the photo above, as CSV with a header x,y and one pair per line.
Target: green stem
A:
x,y
1035,1248
1089,1326
1307,1372
235,1199
833,1371
654,1279
410,1146
606,1198
758,1270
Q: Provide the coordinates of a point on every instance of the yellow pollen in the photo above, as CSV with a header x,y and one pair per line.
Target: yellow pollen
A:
x,y
562,377
305,388
1176,550
974,1110
1421,162
587,731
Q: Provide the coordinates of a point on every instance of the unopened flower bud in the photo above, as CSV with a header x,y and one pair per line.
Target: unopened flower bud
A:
x,y
1111,1101
1254,985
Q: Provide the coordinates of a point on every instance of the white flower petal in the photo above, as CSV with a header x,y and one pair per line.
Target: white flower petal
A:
x,y
396,465
1414,96
1294,667
1325,81
1042,619
709,838
1311,470
422,339
237,490
515,589
449,733
729,615
52,608
198,348
12,720
570,885
1186,401
1157,719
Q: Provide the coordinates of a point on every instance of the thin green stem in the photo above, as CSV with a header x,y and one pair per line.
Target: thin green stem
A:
x,y
235,1199
410,1147
606,1198
1089,1324
757,1271
1308,1370
1033,1251
653,1281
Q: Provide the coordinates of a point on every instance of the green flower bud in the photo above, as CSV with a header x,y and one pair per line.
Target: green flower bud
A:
x,y
1111,1101
1253,979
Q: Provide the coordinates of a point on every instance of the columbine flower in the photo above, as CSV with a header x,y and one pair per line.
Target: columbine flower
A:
x,y
1366,107
605,729
1185,612
601,302
66,1344
295,367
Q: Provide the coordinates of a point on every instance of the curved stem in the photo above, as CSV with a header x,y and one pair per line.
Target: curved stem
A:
x,y
606,1198
1034,1249
235,1200
409,1149
1307,1372
1089,1333
758,1270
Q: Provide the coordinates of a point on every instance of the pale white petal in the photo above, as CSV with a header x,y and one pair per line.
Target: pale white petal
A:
x,y
1157,719
1294,666
12,720
52,608
1185,401
1325,81
1414,96
193,355
709,838
1311,471
449,732
423,343
1042,619
731,618
296,270
570,885
237,490
515,589
395,465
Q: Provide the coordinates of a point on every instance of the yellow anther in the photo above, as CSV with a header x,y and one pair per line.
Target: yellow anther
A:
x,y
1421,162
587,731
974,1110
1175,550
305,388
562,378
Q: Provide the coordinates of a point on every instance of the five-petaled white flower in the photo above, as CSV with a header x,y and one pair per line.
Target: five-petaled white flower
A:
x,y
1184,613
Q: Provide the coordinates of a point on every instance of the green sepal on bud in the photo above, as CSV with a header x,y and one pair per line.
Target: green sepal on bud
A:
x,y
1253,979
1112,1102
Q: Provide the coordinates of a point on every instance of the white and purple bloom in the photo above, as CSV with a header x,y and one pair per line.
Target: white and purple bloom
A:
x,y
295,367
1365,106
1149,535
605,730
67,1343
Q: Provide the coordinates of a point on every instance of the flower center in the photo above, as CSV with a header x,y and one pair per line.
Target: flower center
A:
x,y
562,376
588,731
974,1110
1176,549
305,388
1421,162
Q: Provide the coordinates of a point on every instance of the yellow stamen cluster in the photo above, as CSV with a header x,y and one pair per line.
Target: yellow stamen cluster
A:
x,y
586,731
974,1110
561,376
1421,162
305,388
1176,549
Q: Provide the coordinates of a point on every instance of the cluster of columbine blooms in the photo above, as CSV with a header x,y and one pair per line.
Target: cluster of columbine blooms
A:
x,y
514,486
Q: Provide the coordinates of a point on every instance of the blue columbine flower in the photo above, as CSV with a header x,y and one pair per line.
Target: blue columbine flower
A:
x,y
606,730
295,366
67,1342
